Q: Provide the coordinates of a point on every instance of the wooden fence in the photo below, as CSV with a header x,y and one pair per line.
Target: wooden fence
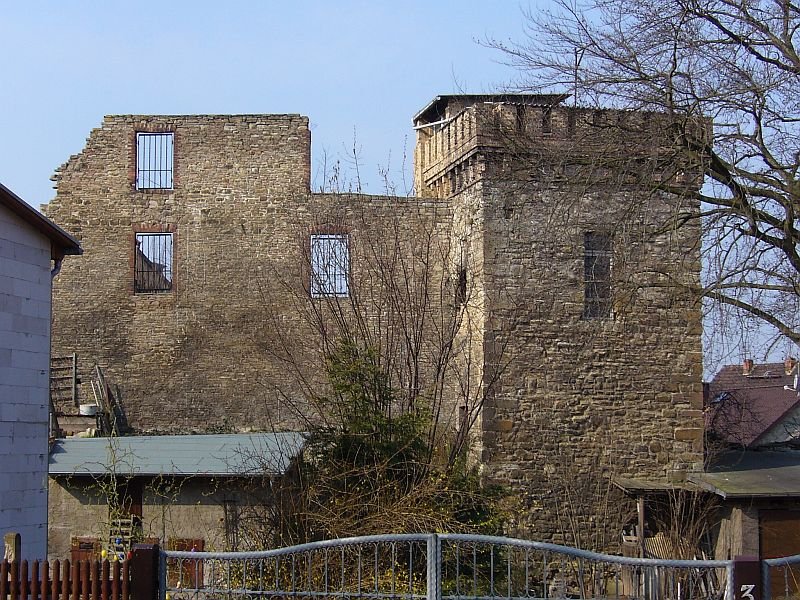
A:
x,y
81,580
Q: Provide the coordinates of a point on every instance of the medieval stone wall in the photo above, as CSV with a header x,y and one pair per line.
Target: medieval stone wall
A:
x,y
573,402
229,347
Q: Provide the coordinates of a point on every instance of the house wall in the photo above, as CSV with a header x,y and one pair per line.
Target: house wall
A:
x,y
24,381
228,348
172,508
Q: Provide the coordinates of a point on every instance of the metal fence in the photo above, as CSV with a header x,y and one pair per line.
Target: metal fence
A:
x,y
437,567
781,577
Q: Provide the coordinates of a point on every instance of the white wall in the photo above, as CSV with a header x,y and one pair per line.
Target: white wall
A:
x,y
24,382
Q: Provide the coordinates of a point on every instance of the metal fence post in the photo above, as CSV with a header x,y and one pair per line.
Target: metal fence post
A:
x,y
162,575
747,574
434,567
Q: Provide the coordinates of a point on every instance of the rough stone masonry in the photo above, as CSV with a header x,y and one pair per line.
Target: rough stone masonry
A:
x,y
573,375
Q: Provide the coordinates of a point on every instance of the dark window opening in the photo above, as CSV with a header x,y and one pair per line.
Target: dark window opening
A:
x,y
547,120
330,265
152,266
154,161
521,117
461,286
597,275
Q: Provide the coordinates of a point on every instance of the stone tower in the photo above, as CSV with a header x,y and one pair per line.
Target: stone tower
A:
x,y
591,349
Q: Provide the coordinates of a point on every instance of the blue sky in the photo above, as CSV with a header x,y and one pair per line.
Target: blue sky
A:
x,y
358,69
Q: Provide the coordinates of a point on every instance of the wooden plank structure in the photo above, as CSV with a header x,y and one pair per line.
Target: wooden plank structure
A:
x,y
62,580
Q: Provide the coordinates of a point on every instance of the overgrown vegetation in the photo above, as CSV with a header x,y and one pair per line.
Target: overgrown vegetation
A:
x,y
370,468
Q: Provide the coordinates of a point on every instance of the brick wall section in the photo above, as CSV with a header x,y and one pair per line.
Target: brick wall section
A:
x,y
24,386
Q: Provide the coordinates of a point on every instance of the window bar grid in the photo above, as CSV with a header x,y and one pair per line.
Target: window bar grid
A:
x,y
154,161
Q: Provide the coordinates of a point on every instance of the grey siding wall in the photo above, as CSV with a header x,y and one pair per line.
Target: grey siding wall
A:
x,y
24,382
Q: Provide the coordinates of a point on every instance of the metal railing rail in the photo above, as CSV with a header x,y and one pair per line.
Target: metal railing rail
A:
x,y
789,569
437,567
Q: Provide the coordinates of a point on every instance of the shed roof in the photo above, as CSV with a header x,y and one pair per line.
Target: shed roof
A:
x,y
61,242
753,475
178,455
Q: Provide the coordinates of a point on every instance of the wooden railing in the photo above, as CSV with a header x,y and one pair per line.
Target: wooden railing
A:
x,y
81,580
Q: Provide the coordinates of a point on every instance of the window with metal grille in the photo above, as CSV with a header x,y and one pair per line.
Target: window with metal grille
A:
x,y
154,160
597,254
152,265
330,265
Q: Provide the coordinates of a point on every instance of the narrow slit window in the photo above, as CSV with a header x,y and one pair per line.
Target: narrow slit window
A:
x,y
330,265
152,272
597,275
154,161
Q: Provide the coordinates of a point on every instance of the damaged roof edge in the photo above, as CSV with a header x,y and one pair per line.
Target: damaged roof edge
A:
x,y
60,239
530,98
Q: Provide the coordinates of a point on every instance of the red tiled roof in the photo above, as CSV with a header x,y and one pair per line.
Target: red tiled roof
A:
x,y
743,408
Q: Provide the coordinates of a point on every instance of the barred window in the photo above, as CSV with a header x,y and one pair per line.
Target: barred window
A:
x,y
152,265
154,161
330,265
597,275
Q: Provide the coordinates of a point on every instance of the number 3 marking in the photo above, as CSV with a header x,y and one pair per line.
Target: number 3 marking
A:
x,y
747,591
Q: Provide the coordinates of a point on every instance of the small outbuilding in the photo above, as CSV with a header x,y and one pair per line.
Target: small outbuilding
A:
x,y
31,250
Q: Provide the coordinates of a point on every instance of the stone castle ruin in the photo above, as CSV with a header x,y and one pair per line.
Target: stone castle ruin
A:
x,y
539,248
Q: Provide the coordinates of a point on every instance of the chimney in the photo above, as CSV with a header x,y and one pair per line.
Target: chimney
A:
x,y
747,367
789,364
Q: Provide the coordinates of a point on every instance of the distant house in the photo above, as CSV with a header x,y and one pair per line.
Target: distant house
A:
x,y
752,406
31,250
184,491
753,465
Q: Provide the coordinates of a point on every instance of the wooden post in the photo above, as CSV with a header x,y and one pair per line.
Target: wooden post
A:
x,y
35,580
640,524
14,580
23,580
115,577
55,582
4,580
143,565
45,587
104,583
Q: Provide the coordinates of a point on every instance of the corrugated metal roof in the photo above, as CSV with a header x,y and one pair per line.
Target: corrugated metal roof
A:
x,y
753,475
182,455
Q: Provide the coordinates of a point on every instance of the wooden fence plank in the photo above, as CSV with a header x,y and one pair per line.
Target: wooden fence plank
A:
x,y
104,582
125,582
13,582
23,580
94,567
55,583
85,583
76,580
45,587
35,580
4,579
75,576
115,575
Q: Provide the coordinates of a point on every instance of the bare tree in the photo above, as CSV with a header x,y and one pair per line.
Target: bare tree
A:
x,y
379,358
732,62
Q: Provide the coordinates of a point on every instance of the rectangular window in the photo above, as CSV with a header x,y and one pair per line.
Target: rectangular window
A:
x,y
154,158
152,265
597,275
330,265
